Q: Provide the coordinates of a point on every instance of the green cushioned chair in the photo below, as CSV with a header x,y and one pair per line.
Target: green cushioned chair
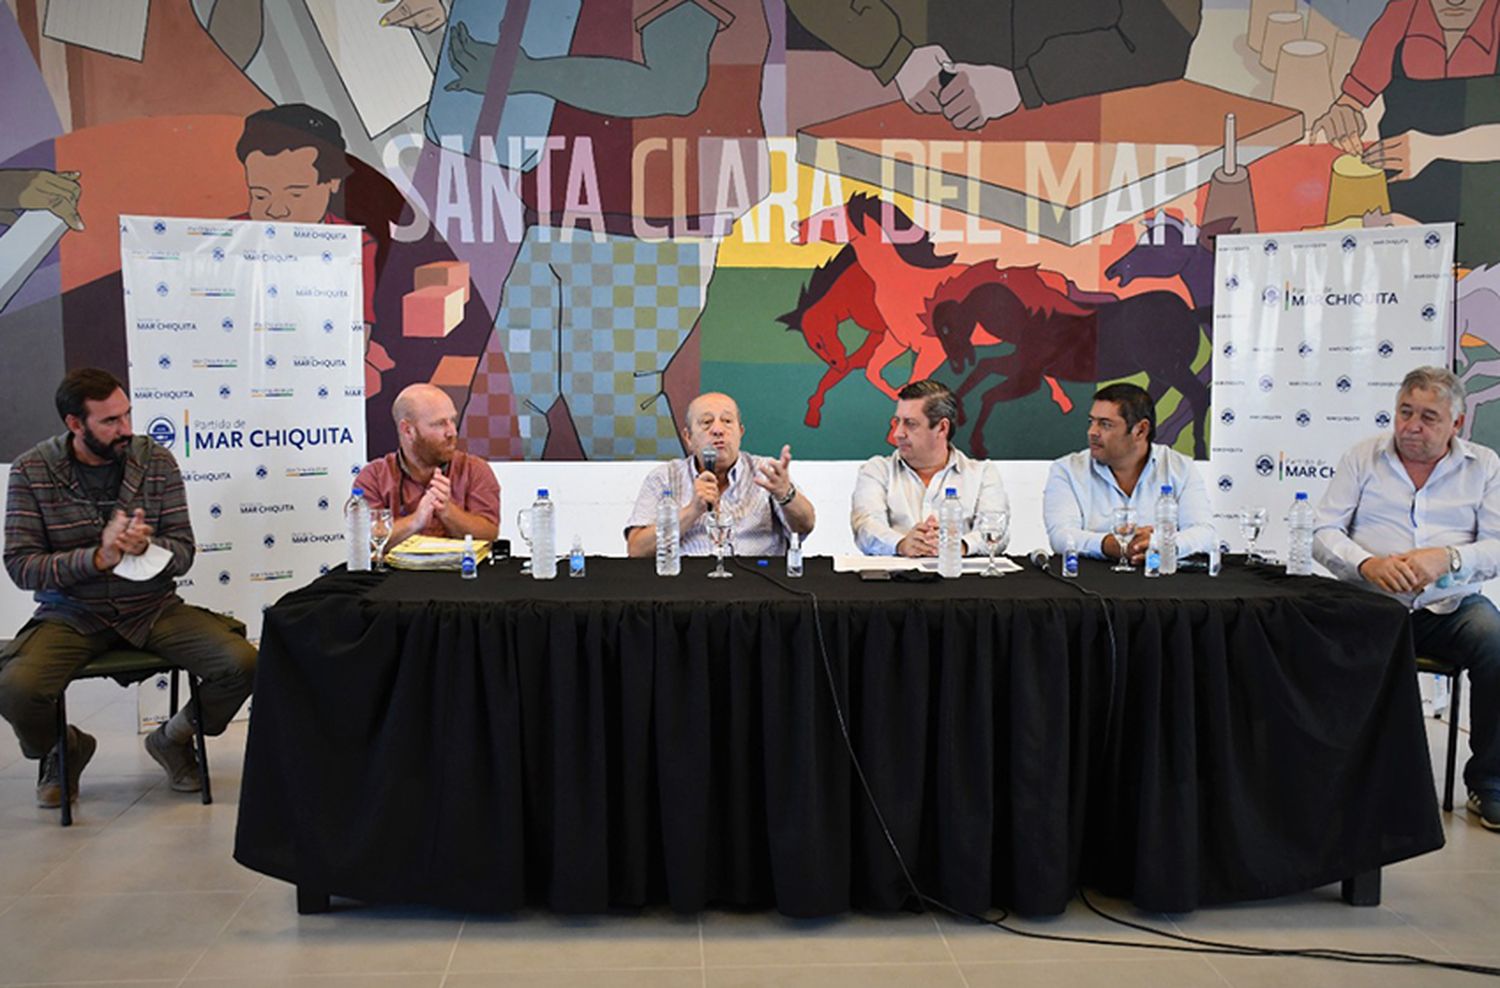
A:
x,y
126,666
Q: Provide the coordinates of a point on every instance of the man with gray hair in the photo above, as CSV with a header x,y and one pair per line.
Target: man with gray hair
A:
x,y
1416,515
895,504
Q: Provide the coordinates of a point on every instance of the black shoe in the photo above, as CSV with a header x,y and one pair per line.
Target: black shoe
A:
x,y
1486,808
81,748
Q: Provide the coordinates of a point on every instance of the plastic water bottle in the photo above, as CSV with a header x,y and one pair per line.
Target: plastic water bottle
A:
x,y
1300,536
357,532
576,564
950,536
1070,558
468,564
1153,555
794,556
543,537
668,547
1166,529
1215,557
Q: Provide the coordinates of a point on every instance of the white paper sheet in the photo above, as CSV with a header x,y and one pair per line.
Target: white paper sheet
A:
x,y
861,564
24,246
382,68
116,27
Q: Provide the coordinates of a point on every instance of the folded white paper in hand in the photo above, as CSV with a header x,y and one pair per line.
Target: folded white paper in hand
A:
x,y
144,566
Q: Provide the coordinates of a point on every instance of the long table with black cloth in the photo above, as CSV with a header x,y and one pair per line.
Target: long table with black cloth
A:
x,y
627,739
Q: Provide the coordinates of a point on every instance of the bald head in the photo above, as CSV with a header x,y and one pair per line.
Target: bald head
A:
x,y
415,399
715,399
427,425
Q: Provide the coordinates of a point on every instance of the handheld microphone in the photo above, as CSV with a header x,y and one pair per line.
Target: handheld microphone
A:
x,y
710,457
1040,558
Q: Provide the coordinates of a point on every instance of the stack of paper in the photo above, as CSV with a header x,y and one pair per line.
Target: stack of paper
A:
x,y
430,552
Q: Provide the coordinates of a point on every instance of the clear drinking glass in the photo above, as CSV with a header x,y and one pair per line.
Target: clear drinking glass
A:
x,y
380,534
1123,527
1252,523
719,528
992,528
523,524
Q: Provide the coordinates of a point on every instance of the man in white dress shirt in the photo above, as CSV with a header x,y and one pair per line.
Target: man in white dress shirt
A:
x,y
1122,466
1416,515
894,508
755,492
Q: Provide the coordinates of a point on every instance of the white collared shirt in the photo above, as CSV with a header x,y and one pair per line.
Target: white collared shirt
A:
x,y
1373,508
1082,494
890,500
760,528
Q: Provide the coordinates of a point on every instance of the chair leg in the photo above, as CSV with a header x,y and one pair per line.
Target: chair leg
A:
x,y
199,741
62,757
1456,695
172,696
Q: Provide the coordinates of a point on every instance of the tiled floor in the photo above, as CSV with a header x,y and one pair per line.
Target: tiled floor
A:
x,y
142,891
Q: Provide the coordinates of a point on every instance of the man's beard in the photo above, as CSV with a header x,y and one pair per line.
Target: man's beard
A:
x,y
103,450
429,453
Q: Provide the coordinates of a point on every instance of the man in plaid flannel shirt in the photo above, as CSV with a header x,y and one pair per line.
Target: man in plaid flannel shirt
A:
x,y
81,513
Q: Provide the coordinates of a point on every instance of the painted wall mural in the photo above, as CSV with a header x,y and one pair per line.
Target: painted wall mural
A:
x,y
580,213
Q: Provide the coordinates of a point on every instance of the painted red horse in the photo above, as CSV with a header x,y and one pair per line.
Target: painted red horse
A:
x,y
839,290
1155,333
899,259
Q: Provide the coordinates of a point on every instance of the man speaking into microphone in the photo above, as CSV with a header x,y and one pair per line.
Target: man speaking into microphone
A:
x,y
431,487
754,493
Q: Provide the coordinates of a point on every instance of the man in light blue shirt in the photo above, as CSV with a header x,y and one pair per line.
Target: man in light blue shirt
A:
x,y
1416,515
893,510
1123,466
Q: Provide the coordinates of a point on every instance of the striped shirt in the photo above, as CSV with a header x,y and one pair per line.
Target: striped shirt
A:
x,y
760,529
52,527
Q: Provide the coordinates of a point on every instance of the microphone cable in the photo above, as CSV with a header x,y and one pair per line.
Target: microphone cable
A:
x,y
1184,944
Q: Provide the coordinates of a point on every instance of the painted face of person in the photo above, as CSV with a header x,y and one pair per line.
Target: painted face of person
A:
x,y
285,188
1456,15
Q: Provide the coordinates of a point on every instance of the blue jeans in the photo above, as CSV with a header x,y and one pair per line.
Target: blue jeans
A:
x,y
1470,637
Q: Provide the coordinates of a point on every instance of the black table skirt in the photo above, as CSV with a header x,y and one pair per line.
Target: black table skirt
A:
x,y
624,739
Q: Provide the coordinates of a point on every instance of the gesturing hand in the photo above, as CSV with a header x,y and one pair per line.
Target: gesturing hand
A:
x,y
775,475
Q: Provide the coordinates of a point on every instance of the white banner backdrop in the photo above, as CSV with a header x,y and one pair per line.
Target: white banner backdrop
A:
x,y
1313,333
245,343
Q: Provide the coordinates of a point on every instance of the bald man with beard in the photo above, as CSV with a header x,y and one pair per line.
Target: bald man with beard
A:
x,y
430,486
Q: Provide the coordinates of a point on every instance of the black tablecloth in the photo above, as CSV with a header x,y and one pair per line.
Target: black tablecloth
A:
x,y
626,739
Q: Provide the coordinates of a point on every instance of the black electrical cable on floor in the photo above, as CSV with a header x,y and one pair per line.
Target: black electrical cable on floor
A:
x,y
1186,944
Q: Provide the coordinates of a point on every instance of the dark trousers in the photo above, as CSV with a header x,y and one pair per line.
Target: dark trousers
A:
x,y
1470,637
35,668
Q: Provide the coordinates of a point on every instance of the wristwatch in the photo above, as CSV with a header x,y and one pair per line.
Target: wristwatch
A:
x,y
791,492
1455,561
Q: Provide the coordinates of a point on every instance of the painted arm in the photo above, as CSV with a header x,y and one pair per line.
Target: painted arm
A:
x,y
1148,43
866,32
1407,154
237,27
669,79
